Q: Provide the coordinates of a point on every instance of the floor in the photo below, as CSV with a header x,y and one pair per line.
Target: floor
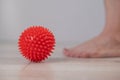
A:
x,y
57,67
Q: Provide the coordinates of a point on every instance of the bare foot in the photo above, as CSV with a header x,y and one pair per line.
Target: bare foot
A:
x,y
108,43
101,46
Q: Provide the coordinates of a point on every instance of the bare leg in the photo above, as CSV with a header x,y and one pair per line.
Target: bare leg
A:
x,y
107,44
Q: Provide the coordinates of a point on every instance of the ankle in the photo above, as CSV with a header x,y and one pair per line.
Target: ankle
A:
x,y
111,35
117,37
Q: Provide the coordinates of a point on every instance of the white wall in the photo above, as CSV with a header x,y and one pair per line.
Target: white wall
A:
x,y
70,20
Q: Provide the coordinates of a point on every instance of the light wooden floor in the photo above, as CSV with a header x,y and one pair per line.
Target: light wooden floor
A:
x,y
14,67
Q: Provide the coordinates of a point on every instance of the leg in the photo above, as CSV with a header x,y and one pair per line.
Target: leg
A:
x,y
107,44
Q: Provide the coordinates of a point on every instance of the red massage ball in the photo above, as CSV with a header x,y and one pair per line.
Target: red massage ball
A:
x,y
36,43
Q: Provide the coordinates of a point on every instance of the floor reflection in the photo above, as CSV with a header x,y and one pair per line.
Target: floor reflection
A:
x,y
36,71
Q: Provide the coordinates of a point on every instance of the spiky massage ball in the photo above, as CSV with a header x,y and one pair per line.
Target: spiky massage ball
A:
x,y
36,43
